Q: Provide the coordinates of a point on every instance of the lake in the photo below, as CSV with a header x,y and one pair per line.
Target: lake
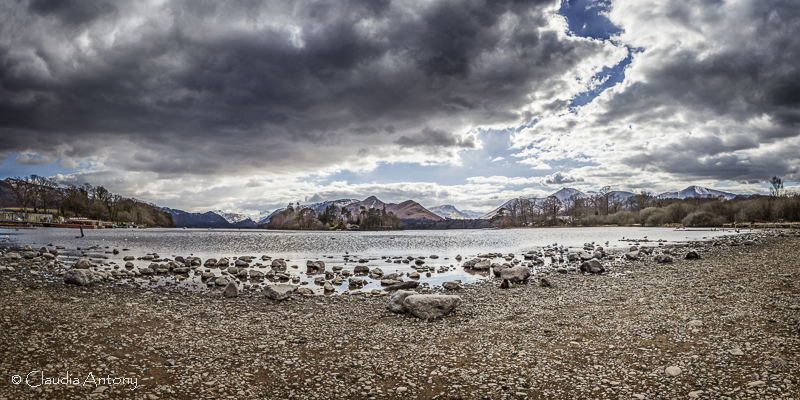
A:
x,y
332,247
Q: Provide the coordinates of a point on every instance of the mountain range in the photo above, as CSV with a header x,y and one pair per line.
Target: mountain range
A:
x,y
696,191
410,210
450,212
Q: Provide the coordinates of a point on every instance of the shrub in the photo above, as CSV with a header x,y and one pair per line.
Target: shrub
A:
x,y
652,216
703,218
622,218
675,213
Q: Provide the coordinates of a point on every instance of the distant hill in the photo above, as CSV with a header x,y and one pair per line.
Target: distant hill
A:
x,y
450,212
237,220
565,194
408,209
207,219
617,194
695,192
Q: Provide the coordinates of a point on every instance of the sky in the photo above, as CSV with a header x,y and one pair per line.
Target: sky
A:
x,y
248,105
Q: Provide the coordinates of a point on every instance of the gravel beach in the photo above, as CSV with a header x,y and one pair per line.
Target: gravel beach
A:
x,y
725,326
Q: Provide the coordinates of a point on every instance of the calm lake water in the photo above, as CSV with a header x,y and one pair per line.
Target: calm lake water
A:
x,y
331,247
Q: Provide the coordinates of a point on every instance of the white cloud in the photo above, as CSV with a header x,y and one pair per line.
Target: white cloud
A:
x,y
67,163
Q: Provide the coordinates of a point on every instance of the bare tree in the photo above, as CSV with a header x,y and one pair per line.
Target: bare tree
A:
x,y
44,191
615,203
552,205
23,191
641,201
777,189
606,194
113,204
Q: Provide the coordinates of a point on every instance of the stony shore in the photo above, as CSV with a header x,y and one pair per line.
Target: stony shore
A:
x,y
726,325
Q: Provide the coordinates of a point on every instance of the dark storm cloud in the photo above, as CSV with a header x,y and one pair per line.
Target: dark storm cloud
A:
x,y
437,138
263,82
72,12
710,93
738,80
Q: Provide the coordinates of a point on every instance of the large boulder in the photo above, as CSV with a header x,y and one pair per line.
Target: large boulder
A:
x,y
80,277
498,268
232,290
315,267
361,269
223,262
194,261
355,282
451,285
396,301
222,281
279,292
663,259
430,306
478,264
376,273
256,274
516,274
592,267
278,265
82,264
632,255
692,255
401,286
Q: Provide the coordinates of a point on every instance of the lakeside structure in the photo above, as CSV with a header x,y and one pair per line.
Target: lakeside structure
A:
x,y
14,216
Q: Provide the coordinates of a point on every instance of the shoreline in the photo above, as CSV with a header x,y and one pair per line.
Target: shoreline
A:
x,y
143,267
588,336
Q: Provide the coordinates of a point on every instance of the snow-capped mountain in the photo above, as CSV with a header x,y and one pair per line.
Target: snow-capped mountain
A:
x,y
566,194
450,212
266,219
696,191
320,207
507,205
262,216
317,207
370,202
232,217
472,214
615,194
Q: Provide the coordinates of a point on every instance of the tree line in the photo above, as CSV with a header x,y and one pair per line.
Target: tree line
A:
x,y
606,208
42,194
332,218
